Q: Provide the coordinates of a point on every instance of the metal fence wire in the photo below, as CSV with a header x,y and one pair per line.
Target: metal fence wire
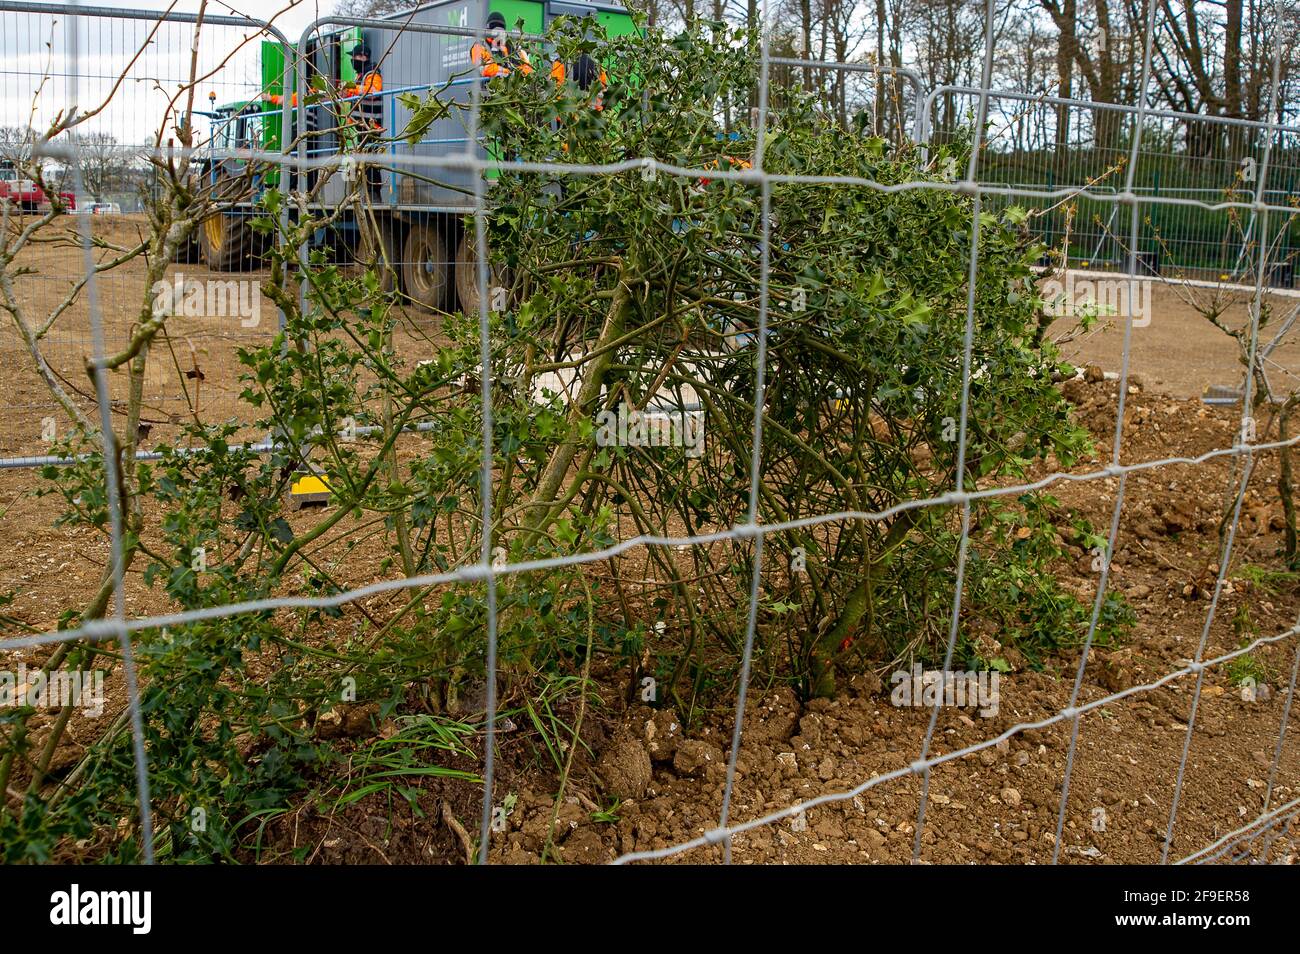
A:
x,y
1154,190
1204,168
129,66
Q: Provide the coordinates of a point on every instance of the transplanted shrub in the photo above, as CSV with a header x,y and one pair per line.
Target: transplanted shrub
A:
x,y
637,289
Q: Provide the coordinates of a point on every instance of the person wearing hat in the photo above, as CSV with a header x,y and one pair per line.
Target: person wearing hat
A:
x,y
368,108
586,73
493,55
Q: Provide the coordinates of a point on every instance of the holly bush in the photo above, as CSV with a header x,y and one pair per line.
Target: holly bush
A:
x,y
630,292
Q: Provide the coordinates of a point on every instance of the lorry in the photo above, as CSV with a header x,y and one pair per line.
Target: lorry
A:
x,y
25,193
420,223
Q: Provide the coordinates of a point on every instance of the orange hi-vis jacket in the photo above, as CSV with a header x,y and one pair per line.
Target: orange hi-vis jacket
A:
x,y
480,55
313,122
559,72
732,163
370,106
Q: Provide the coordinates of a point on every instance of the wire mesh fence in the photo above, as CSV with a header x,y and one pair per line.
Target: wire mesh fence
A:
x,y
1127,188
139,74
1205,167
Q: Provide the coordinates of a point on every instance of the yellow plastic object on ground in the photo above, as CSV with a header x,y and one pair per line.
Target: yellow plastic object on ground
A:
x,y
308,488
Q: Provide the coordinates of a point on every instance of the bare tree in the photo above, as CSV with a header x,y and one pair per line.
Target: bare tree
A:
x,y
372,8
1216,59
947,35
16,143
105,163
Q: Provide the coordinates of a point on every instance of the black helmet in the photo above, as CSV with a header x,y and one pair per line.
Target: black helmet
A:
x,y
496,21
360,54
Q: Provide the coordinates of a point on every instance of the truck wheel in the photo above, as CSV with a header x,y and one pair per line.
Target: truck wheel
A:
x,y
189,251
376,249
467,285
259,243
424,266
226,242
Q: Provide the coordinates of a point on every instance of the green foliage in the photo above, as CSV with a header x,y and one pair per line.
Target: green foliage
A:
x,y
1021,607
626,288
393,765
866,310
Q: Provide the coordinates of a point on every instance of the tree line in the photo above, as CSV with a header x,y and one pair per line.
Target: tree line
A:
x,y
1209,57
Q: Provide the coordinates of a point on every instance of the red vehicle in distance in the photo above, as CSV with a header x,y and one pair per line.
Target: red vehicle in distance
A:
x,y
25,193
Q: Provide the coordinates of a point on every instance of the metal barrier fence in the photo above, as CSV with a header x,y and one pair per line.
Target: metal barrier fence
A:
x,y
1198,173
1196,179
129,67
1139,165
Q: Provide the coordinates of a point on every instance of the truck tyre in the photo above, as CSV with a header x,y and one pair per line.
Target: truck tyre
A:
x,y
467,284
226,240
376,249
425,271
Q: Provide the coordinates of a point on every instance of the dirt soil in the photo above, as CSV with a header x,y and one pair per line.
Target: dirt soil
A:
x,y
1001,803
193,372
1180,352
653,782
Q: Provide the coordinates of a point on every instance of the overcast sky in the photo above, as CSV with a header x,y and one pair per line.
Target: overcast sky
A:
x,y
38,65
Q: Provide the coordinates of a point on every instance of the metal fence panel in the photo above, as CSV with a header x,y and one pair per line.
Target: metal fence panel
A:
x,y
1195,178
1113,160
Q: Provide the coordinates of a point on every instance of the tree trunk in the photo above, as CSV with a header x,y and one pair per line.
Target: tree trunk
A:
x,y
1232,91
880,65
1285,487
1065,56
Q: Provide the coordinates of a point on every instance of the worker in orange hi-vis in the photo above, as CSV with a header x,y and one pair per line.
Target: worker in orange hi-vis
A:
x,y
586,73
493,55
368,110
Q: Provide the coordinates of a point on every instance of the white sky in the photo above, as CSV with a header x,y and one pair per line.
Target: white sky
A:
x,y
36,62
